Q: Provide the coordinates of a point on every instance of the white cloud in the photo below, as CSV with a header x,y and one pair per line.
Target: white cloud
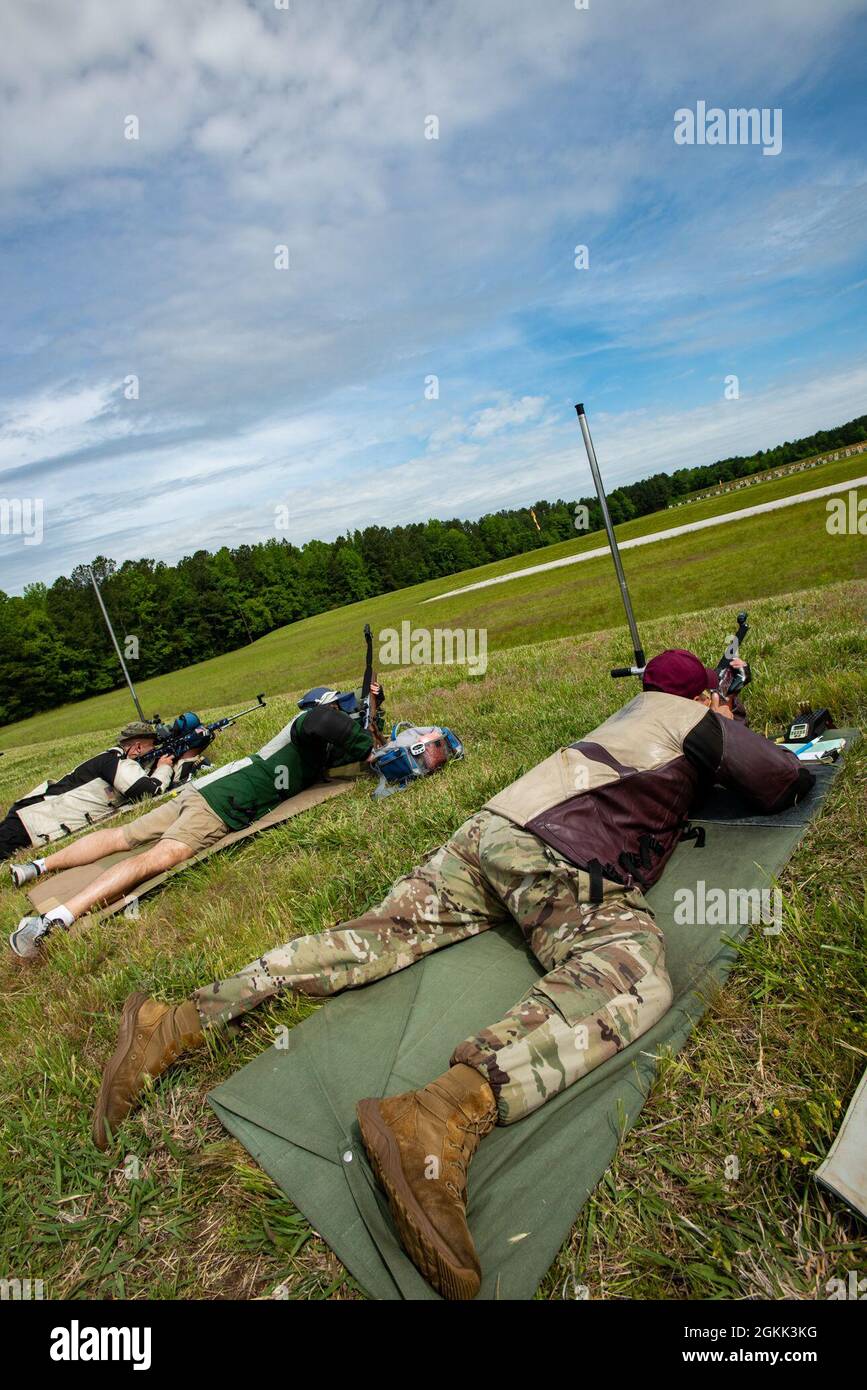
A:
x,y
408,257
499,417
47,424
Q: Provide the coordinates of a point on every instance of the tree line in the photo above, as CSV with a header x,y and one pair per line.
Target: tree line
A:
x,y
54,647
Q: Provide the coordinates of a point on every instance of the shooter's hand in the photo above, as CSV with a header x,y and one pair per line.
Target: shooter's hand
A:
x,y
721,707
167,760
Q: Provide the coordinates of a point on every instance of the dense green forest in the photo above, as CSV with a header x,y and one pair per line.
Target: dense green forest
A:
x,y
54,646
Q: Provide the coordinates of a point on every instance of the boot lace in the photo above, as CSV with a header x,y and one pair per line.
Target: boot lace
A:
x,y
459,1158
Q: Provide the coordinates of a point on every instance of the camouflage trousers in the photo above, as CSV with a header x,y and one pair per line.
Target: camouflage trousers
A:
x,y
606,982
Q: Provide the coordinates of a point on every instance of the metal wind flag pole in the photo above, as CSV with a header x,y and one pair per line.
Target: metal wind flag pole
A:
x,y
637,648
116,645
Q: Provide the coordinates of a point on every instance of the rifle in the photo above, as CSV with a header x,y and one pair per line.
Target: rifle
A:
x,y
369,718
731,679
187,733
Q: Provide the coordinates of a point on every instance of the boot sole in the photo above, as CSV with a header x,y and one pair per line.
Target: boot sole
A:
x,y
22,955
127,1029
419,1238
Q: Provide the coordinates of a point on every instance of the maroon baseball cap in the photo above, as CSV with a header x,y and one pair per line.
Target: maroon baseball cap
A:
x,y
679,673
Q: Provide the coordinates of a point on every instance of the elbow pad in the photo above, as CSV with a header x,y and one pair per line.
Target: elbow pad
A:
x,y
134,784
764,771
144,787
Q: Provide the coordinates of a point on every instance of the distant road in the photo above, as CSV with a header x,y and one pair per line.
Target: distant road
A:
x,y
654,536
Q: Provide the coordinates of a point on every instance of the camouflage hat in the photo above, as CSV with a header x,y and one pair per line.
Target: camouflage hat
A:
x,y
136,730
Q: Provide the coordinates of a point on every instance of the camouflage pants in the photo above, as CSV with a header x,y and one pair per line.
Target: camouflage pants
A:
x,y
606,982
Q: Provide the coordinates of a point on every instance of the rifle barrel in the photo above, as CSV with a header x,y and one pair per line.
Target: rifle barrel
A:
x,y
230,719
612,540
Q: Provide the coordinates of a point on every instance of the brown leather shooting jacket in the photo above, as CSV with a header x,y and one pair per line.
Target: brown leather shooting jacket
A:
x,y
616,802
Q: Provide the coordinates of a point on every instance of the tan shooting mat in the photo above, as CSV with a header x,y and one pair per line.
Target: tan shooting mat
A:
x,y
58,888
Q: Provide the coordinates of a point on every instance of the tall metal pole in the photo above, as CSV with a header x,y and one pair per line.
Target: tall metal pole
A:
x,y
116,646
615,553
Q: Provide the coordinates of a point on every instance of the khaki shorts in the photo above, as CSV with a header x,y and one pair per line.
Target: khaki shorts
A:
x,y
187,818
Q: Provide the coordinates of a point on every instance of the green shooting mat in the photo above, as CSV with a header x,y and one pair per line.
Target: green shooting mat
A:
x,y
293,1107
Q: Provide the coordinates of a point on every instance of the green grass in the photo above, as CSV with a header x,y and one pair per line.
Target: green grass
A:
x,y
766,1076
770,554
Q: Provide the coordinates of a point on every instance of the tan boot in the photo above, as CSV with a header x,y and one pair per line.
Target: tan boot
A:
x,y
151,1037
420,1145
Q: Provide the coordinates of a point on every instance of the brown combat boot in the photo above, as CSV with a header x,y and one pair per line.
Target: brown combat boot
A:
x,y
151,1037
420,1145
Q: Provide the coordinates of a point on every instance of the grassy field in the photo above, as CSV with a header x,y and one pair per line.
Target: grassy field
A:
x,y
771,554
804,466
766,1076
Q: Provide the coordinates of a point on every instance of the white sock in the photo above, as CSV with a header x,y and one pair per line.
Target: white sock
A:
x,y
60,914
39,864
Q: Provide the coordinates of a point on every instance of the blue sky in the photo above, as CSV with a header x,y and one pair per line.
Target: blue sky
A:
x,y
409,257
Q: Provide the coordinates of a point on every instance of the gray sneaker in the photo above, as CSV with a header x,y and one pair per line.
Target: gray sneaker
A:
x,y
28,936
23,873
